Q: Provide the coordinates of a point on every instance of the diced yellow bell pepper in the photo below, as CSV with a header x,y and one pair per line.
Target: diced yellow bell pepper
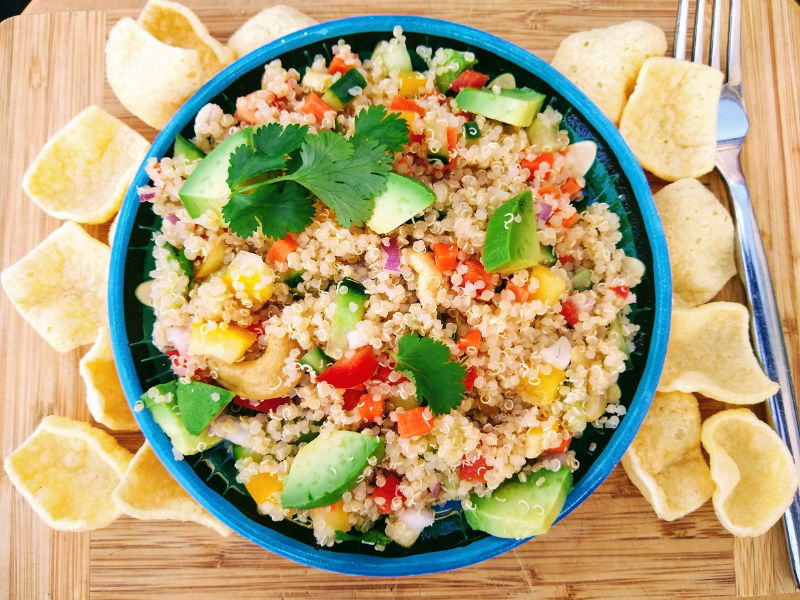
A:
x,y
248,268
332,516
533,442
228,345
543,389
550,285
213,261
408,116
263,486
411,83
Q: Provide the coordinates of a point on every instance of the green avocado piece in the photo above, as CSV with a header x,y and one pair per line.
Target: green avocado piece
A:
x,y
207,186
521,510
511,242
403,198
166,415
326,468
186,148
512,106
200,403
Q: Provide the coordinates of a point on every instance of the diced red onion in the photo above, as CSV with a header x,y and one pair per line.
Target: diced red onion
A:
x,y
436,490
179,338
392,252
173,219
560,457
416,518
545,212
146,196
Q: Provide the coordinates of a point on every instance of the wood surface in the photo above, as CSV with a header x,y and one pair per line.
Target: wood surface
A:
x,y
613,546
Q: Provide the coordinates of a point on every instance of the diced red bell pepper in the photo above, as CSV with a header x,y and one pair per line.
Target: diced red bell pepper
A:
x,y
353,397
549,189
621,290
570,220
281,249
338,65
452,143
534,164
570,186
314,105
264,406
351,372
473,471
470,340
446,256
257,328
566,260
414,422
371,407
570,313
401,104
562,447
385,371
521,293
476,272
468,79
469,381
388,492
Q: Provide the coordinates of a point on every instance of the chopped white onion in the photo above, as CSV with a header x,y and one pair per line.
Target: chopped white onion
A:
x,y
580,158
558,355
179,338
416,518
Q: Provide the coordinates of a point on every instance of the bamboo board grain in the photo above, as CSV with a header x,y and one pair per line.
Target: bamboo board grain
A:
x,y
51,66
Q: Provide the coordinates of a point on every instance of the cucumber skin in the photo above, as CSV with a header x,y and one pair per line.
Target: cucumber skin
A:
x,y
316,360
341,88
344,319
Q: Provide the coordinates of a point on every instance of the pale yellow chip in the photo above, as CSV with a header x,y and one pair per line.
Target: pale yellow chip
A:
x,y
148,492
176,25
104,393
83,171
753,470
709,352
267,26
604,63
59,287
67,471
700,241
670,121
665,461
150,78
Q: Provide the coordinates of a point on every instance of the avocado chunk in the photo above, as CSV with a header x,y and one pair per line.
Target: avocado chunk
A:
x,y
403,198
512,106
326,468
166,415
456,62
511,242
207,186
200,403
519,509
351,300
186,148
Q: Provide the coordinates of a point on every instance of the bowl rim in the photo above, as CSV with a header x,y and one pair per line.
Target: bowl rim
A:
x,y
477,551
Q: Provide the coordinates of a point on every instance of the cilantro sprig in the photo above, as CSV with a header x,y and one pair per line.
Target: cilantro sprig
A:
x,y
426,362
274,181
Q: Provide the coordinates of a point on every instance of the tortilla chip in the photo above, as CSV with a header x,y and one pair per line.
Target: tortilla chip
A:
x,y
148,492
753,470
665,461
604,63
104,393
700,240
59,287
112,230
176,25
150,78
267,26
83,171
709,352
67,471
670,121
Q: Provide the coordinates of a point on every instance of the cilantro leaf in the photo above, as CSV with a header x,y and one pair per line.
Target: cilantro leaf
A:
x,y
269,145
373,537
427,363
247,163
388,129
278,209
344,174
277,140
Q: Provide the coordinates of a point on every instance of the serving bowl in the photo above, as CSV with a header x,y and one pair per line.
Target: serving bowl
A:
x,y
449,543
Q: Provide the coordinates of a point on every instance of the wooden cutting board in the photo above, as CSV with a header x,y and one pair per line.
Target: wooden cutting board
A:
x,y
51,67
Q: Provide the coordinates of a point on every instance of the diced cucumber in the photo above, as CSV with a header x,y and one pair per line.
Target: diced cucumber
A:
x,y
339,94
315,360
472,131
505,81
240,452
582,280
186,148
453,63
440,135
316,81
351,300
547,255
394,54
512,106
544,133
293,279
403,198
616,325
184,263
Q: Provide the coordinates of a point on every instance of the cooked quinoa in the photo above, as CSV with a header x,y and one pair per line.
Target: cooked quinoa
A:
x,y
495,422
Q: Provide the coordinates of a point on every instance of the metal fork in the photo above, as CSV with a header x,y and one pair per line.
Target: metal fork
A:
x,y
732,126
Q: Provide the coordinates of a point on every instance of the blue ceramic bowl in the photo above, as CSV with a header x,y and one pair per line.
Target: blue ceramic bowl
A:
x,y
616,179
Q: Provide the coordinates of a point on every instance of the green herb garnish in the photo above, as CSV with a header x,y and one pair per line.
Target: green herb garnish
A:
x,y
373,537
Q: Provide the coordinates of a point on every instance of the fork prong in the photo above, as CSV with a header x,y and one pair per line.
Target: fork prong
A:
x,y
716,18
735,46
681,27
699,25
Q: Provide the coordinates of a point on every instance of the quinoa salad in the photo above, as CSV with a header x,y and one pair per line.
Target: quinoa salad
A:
x,y
387,265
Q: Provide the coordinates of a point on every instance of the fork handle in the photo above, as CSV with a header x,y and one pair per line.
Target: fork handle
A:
x,y
767,332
